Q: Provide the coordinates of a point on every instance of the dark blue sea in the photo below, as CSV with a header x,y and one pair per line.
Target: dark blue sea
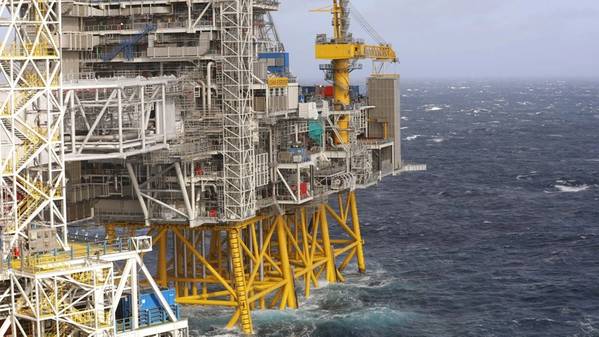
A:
x,y
499,238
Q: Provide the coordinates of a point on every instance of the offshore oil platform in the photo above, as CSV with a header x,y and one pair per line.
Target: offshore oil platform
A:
x,y
175,131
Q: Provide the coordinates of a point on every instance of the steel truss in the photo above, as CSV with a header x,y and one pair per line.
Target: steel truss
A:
x,y
115,119
56,302
267,36
240,127
255,264
32,161
77,293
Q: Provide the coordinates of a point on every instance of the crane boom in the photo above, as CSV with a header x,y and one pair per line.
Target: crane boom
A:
x,y
341,51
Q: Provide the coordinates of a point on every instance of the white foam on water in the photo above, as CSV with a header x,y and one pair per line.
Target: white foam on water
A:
x,y
413,137
526,176
434,108
438,140
572,189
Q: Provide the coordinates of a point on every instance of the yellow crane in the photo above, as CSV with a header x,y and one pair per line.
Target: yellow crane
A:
x,y
342,50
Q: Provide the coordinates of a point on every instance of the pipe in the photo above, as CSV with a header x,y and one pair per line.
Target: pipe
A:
x,y
209,78
203,85
128,135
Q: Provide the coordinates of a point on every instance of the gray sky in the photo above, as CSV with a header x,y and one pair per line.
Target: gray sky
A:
x,y
460,38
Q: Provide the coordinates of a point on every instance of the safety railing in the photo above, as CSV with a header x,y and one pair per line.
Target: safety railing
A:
x,y
141,25
57,260
41,49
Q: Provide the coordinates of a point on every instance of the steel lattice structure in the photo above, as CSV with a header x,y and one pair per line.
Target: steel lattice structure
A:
x,y
50,287
239,124
31,114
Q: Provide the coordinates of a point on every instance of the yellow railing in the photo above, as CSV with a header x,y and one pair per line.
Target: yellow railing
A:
x,y
83,277
41,49
88,318
32,80
21,99
27,148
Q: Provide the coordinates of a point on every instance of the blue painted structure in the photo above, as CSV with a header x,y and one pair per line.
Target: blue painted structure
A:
x,y
281,62
150,310
126,46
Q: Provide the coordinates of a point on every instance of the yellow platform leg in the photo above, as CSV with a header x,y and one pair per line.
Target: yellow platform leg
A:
x,y
243,308
110,233
162,257
353,204
289,297
255,264
331,272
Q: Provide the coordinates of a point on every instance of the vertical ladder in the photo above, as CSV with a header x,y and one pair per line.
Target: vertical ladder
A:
x,y
240,284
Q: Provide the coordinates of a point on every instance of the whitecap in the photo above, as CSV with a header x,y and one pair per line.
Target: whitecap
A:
x,y
434,108
413,137
438,140
572,189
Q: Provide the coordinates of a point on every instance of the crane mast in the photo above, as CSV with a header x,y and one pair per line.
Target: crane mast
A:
x,y
342,50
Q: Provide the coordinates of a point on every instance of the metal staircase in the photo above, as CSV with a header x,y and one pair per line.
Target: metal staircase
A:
x,y
126,46
32,165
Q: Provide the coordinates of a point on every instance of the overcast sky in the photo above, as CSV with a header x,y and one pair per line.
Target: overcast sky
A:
x,y
461,38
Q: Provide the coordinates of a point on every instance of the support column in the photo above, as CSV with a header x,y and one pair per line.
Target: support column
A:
x,y
134,298
138,193
110,232
356,226
162,259
178,266
289,297
240,282
326,243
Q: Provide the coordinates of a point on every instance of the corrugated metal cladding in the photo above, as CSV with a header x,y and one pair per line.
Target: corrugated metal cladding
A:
x,y
383,92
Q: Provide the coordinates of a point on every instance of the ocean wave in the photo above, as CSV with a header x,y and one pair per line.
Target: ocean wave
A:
x,y
413,137
572,189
